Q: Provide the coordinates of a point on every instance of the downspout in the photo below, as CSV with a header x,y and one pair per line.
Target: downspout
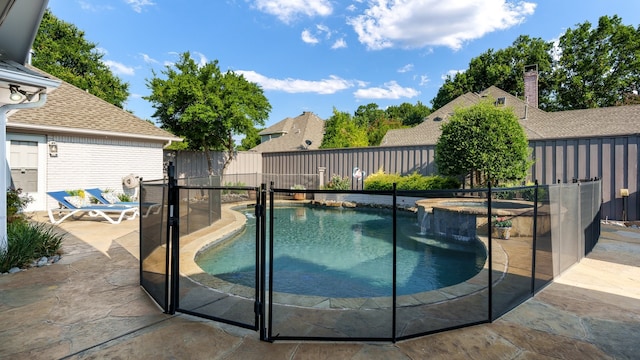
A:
x,y
4,109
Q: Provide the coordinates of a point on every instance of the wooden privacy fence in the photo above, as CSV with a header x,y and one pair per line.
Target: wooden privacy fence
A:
x,y
612,159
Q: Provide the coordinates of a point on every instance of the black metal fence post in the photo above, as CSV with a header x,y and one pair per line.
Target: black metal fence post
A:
x,y
395,259
490,251
271,241
173,233
141,227
535,239
262,260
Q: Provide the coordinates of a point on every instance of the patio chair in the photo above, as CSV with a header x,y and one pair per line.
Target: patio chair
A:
x,y
110,199
70,206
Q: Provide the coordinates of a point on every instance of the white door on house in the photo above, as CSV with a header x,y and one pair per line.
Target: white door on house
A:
x,y
24,165
26,174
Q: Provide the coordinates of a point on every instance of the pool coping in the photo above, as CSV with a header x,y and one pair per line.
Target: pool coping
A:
x,y
233,222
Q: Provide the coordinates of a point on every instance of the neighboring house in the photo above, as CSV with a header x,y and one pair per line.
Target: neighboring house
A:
x,y
304,132
538,124
566,145
78,140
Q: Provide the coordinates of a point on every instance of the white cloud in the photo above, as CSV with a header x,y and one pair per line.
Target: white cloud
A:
x,y
324,29
556,51
391,90
339,44
119,69
137,5
92,7
406,68
451,73
308,37
325,86
148,59
288,10
424,80
314,38
421,23
200,58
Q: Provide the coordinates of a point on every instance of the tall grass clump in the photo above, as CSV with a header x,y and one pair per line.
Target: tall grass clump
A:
x,y
26,241
338,182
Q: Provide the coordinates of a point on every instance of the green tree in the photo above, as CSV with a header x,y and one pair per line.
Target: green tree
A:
x,y
598,67
61,50
205,106
377,130
407,114
485,142
503,68
251,139
367,115
342,131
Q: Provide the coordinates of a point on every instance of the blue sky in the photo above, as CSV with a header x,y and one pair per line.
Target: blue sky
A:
x,y
314,55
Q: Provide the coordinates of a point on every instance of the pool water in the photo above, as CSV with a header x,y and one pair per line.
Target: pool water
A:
x,y
346,253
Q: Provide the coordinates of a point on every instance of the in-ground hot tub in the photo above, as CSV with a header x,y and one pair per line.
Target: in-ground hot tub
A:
x,y
466,218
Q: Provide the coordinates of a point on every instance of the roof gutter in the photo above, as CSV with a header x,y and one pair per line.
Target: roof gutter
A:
x,y
96,133
27,79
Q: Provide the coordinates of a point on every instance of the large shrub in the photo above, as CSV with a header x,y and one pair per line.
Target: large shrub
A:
x,y
415,181
381,181
484,141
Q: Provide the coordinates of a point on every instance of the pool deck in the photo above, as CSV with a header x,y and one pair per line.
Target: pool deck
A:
x,y
90,306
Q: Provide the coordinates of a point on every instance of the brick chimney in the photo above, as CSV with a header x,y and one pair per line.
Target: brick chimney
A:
x,y
531,85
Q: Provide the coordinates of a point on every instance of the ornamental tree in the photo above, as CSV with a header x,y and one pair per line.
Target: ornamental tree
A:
x,y
485,142
206,106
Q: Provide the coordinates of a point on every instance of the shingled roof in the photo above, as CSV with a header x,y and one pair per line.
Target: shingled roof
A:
x,y
538,124
72,110
295,132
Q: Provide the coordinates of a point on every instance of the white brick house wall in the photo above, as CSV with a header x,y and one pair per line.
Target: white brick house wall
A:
x,y
84,162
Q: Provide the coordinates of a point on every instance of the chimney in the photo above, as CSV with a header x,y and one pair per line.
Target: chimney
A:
x,y
531,85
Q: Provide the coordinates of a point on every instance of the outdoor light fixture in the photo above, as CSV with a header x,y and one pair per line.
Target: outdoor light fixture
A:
x,y
53,149
15,93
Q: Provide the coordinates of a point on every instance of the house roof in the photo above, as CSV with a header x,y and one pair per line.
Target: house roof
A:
x,y
538,124
281,127
72,110
296,131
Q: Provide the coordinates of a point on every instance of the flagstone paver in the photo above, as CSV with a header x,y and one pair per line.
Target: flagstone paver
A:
x,y
90,306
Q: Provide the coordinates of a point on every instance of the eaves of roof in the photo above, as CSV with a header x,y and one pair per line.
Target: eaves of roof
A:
x,y
71,110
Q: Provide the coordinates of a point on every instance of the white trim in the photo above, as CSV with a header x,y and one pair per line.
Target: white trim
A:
x,y
12,125
40,197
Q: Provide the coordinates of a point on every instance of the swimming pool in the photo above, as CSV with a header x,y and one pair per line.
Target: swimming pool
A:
x,y
346,253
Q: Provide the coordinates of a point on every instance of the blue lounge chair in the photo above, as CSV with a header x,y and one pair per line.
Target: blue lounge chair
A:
x,y
145,209
69,209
